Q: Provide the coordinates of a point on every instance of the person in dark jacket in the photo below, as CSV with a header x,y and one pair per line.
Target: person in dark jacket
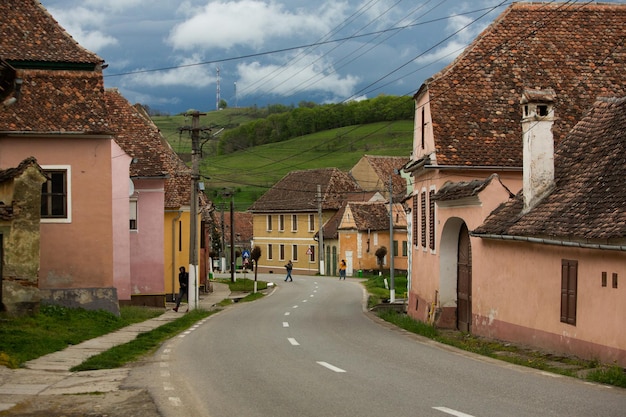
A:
x,y
183,280
289,267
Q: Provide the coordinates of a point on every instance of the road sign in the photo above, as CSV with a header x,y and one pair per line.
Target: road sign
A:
x,y
309,252
245,254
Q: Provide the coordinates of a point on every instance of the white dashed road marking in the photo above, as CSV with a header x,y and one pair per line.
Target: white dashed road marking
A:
x,y
285,324
452,412
331,367
293,341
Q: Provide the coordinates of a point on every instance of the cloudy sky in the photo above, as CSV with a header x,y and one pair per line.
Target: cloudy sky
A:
x,y
167,53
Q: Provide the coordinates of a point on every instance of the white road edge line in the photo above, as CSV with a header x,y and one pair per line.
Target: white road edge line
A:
x,y
452,412
293,341
331,367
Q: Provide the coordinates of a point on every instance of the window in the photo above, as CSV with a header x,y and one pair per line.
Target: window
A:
x,y
269,223
423,127
56,194
569,290
405,248
281,249
270,255
431,219
311,252
294,222
281,222
395,248
133,214
311,222
294,252
423,219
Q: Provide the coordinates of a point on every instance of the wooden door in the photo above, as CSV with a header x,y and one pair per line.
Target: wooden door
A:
x,y
464,281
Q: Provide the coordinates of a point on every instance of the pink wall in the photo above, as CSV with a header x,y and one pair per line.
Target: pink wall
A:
x,y
121,247
517,297
78,254
147,243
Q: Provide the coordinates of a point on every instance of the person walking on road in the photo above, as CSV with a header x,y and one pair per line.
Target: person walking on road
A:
x,y
183,280
342,270
289,267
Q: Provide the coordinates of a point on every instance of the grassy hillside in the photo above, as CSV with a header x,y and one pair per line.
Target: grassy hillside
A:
x,y
252,172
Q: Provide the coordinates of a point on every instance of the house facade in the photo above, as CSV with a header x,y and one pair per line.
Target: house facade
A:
x,y
359,230
554,255
286,219
467,129
60,118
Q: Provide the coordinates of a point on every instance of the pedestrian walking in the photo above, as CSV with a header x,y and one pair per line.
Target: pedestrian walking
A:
x,y
342,270
183,280
289,267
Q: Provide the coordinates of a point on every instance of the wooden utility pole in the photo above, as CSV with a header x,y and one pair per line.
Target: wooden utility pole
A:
x,y
193,204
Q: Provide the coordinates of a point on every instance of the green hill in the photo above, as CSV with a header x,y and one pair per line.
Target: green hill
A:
x,y
251,172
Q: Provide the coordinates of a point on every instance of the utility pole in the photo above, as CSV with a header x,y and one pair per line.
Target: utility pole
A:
x,y
193,204
320,242
392,284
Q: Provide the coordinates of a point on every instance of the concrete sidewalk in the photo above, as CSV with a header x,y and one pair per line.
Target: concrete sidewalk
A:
x,y
50,374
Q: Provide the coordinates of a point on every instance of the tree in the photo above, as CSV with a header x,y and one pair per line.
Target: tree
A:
x,y
222,104
255,255
380,255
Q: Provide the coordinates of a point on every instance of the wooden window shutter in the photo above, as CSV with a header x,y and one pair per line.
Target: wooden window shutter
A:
x,y
423,222
431,220
569,290
415,221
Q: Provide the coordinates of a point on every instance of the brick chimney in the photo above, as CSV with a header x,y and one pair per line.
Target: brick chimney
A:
x,y
537,121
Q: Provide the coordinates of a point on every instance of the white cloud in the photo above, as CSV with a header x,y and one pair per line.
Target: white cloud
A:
x,y
310,76
224,24
82,24
184,76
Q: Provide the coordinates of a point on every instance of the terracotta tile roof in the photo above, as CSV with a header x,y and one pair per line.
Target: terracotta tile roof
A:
x,y
138,136
457,190
589,198
28,33
372,216
57,102
62,81
384,167
297,191
243,227
576,49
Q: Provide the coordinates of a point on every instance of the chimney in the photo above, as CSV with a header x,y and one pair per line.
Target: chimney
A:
x,y
537,121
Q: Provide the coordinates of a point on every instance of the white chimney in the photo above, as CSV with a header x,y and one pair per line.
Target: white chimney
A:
x,y
537,121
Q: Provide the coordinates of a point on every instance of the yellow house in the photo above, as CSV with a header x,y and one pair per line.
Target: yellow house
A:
x,y
359,230
286,219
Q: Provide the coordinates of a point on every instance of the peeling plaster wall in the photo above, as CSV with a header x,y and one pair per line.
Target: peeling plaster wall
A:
x,y
21,242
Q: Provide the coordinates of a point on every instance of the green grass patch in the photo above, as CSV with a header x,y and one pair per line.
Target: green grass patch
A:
x,y
53,328
610,375
145,343
375,286
407,323
243,284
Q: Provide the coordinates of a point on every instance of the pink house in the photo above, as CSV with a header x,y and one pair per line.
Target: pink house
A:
x,y
147,152
553,256
467,153
60,118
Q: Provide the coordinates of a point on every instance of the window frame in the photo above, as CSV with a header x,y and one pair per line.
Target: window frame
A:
x,y
268,223
67,170
294,222
569,291
133,215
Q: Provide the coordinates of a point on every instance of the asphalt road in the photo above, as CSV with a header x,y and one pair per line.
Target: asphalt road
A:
x,y
310,350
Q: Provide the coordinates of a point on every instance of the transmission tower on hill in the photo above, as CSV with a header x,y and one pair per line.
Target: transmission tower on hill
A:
x,y
217,98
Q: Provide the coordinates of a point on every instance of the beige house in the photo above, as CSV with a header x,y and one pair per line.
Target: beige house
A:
x,y
358,230
286,218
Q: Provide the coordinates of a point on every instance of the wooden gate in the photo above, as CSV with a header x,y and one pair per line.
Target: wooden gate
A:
x,y
464,282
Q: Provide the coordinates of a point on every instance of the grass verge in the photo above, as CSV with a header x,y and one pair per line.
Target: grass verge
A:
x,y
53,328
563,365
143,344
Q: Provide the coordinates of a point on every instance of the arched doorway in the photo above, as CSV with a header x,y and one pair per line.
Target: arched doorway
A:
x,y
464,281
